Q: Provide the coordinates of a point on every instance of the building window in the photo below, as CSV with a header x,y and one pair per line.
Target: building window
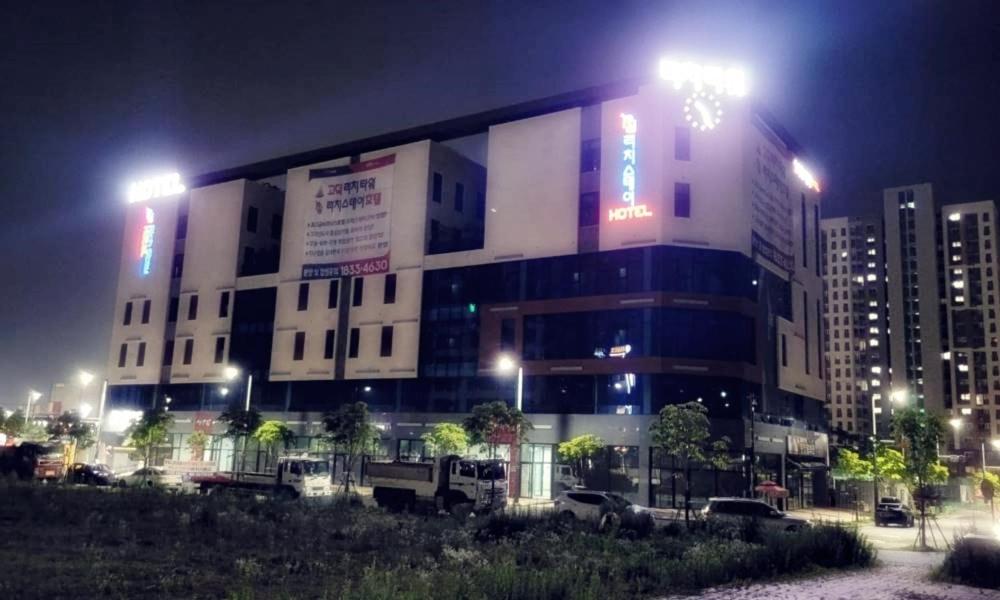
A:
x,y
682,200
168,353
389,297
188,350
353,343
128,314
252,219
507,334
819,342
140,358
805,323
334,296
682,143
303,296
276,227
805,252
122,355
146,305
193,307
385,346
816,234
590,209
459,197
784,350
223,305
359,291
220,349
182,227
590,155
328,342
300,345
436,190
177,268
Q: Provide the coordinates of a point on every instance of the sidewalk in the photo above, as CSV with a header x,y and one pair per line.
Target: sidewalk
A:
x,y
831,515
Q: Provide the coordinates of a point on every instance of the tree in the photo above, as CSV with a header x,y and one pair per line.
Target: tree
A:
x,y
70,425
919,433
13,424
489,422
682,431
196,443
578,450
148,433
850,465
445,439
240,425
349,429
272,433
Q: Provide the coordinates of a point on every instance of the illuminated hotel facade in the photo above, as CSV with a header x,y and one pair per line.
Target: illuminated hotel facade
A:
x,y
627,247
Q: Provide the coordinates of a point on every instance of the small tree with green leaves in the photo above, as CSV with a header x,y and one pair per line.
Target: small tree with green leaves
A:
x,y
445,439
240,425
70,425
350,431
489,422
148,433
579,450
919,433
851,466
682,431
197,442
13,424
271,435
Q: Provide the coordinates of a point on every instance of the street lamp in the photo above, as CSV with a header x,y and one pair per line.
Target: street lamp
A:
x,y
956,424
85,377
231,373
85,410
506,365
899,396
33,396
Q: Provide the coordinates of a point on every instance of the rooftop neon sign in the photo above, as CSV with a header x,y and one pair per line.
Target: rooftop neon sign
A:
x,y
160,186
731,81
146,243
630,210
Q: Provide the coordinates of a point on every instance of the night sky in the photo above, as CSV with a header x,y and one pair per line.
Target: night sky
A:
x,y
93,93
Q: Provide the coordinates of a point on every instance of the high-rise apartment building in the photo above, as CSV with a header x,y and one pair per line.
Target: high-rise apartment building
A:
x,y
857,353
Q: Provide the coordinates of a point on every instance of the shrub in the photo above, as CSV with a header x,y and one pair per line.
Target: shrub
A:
x,y
973,561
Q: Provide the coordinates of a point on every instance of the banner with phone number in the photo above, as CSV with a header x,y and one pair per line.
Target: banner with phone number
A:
x,y
348,226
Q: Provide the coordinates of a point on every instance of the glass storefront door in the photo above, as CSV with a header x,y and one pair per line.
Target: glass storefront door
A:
x,y
536,471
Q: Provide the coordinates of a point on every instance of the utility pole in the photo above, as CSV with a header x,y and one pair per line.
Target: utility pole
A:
x,y
753,441
874,475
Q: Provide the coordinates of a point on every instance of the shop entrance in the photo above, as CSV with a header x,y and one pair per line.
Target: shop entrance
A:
x,y
536,471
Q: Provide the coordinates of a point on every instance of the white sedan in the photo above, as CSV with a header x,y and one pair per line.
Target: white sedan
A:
x,y
591,505
149,477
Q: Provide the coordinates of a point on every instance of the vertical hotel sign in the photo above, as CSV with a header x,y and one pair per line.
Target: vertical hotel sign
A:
x,y
629,209
146,242
348,227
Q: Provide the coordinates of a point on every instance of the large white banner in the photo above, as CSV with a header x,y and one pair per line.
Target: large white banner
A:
x,y
347,231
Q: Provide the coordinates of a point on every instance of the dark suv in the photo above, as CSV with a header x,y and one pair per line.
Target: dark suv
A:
x,y
890,510
90,474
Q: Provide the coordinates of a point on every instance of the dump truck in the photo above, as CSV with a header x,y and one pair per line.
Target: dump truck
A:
x,y
448,483
295,477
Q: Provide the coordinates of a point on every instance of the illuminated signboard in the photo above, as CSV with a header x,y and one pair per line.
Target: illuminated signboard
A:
x,y
146,243
805,175
722,81
629,210
161,186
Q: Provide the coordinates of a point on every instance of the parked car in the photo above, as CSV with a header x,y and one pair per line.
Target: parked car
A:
x,y
149,477
734,509
891,510
591,505
100,475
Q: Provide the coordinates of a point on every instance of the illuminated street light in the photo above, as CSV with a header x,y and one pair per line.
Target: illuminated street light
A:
x,y
230,373
224,392
85,377
899,396
33,396
506,365
85,410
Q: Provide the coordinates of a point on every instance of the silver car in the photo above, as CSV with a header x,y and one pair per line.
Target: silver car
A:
x,y
736,509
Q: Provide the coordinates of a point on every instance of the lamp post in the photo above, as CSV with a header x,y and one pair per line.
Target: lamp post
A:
x,y
956,424
506,365
33,396
84,377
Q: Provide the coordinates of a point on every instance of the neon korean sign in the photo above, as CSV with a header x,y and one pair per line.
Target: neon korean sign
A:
x,y
146,243
161,186
730,81
630,210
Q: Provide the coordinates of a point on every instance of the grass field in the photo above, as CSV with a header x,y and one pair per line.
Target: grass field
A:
x,y
85,543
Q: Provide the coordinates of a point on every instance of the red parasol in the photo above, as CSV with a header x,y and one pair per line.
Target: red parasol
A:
x,y
772,489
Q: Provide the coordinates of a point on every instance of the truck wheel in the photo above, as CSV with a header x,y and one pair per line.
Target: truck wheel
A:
x,y
461,511
285,493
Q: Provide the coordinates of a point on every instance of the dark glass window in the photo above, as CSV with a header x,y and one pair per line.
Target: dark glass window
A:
x,y
359,291
140,358
590,155
353,343
590,209
188,350
389,297
223,305
303,296
507,334
177,268
334,297
328,343
252,219
146,305
168,353
122,354
193,307
300,345
682,200
220,349
385,346
276,227
682,143
436,190
784,350
175,304
128,314
459,197
480,205
182,227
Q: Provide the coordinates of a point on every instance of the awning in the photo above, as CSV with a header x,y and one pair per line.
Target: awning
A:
x,y
809,465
